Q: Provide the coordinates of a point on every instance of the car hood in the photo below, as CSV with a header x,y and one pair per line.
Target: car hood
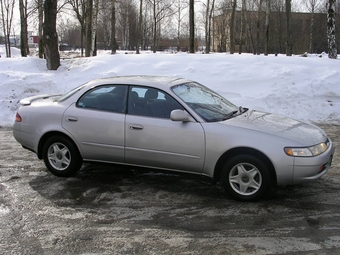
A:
x,y
291,129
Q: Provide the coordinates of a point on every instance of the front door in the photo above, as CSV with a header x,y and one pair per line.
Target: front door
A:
x,y
154,140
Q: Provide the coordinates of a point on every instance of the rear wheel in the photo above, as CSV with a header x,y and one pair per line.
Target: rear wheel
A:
x,y
61,156
246,178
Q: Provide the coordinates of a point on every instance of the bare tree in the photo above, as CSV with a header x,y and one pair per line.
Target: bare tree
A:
x,y
95,11
41,21
127,24
241,38
247,24
140,25
222,26
266,44
332,49
88,27
192,27
232,26
289,44
50,35
24,48
79,8
208,16
312,6
7,7
180,5
113,27
258,20
160,9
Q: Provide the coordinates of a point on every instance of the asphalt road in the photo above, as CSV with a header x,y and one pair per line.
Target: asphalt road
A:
x,y
112,210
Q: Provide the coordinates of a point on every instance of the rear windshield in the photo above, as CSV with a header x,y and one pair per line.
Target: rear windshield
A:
x,y
70,93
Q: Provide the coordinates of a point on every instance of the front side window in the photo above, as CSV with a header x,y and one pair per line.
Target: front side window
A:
x,y
105,98
151,102
205,102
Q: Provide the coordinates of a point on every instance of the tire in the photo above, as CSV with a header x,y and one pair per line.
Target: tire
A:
x,y
61,156
246,178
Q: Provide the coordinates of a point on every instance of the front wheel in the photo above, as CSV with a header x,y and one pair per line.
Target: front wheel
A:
x,y
61,156
246,178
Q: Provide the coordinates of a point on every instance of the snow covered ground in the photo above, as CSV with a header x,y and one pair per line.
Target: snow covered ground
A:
x,y
305,88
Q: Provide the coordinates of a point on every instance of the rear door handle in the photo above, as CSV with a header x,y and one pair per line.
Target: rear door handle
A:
x,y
135,127
71,119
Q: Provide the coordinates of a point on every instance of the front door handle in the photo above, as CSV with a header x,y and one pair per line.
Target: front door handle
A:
x,y
135,127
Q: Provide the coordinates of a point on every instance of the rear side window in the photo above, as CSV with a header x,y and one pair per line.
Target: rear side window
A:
x,y
105,98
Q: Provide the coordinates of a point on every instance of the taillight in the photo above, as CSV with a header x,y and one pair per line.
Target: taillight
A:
x,y
18,118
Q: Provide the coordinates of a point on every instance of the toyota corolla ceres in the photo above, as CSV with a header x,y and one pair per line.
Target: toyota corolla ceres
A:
x,y
171,124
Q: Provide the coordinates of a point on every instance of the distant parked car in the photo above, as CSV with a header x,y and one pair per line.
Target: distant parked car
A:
x,y
171,124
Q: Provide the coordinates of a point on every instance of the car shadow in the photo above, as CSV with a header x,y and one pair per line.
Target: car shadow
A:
x,y
107,185
87,187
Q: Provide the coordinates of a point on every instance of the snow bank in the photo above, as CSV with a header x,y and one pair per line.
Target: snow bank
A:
x,y
305,88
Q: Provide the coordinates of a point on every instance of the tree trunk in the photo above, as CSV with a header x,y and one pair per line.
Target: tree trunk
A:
x,y
50,35
311,30
232,27
93,51
140,21
113,27
41,20
192,27
207,43
179,11
88,28
332,49
257,48
266,44
241,32
289,46
154,41
23,30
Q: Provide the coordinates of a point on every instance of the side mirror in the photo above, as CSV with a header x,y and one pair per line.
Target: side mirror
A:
x,y
180,115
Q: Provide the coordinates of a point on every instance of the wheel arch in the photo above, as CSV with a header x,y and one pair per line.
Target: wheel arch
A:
x,y
49,134
243,150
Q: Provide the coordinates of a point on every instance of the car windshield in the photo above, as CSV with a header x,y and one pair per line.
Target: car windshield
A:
x,y
205,102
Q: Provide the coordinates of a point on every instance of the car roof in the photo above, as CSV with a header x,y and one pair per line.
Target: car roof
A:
x,y
144,80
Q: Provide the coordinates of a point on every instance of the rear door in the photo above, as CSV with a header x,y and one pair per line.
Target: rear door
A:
x,y
97,123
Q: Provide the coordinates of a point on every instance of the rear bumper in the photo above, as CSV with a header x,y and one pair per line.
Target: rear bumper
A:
x,y
26,139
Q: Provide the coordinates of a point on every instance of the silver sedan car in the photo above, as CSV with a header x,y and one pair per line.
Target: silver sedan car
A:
x,y
172,124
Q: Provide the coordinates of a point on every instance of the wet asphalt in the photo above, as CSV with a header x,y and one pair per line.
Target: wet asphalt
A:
x,y
121,210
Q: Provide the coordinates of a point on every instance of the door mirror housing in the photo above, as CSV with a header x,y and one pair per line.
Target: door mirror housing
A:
x,y
180,115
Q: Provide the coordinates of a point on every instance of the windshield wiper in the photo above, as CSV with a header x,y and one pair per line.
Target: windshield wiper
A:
x,y
229,115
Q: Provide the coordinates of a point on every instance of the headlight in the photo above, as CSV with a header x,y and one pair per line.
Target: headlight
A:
x,y
306,152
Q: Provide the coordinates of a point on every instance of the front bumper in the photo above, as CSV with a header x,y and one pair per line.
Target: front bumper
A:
x,y
307,169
